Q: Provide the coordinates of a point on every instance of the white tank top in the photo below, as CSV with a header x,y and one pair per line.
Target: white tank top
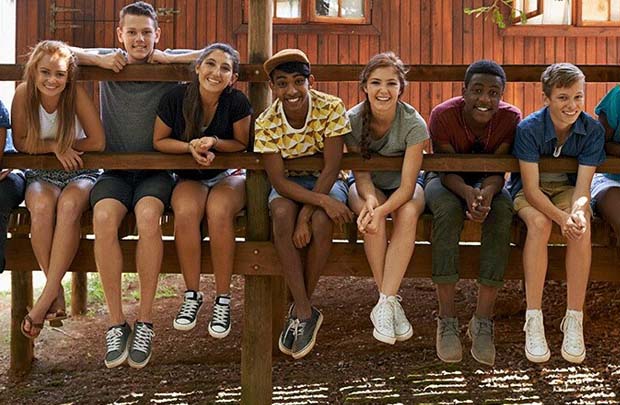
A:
x,y
49,126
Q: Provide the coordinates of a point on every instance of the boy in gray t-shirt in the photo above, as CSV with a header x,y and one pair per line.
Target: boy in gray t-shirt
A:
x,y
128,112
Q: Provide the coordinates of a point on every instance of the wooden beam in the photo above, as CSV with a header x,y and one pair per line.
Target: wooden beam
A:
x,y
22,348
253,161
253,72
256,344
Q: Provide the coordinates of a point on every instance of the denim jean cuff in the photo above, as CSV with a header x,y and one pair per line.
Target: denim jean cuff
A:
x,y
491,283
445,279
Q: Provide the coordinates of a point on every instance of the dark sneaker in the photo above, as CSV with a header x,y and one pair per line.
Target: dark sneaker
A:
x,y
305,333
116,341
186,318
219,327
480,331
448,344
140,348
285,343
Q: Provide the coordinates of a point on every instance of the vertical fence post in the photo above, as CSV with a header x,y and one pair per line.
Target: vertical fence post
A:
x,y
256,382
22,348
79,293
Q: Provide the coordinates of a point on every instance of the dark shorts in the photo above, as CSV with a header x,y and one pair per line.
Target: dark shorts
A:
x,y
129,187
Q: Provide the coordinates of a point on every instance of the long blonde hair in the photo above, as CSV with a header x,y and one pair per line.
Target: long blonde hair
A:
x,y
65,135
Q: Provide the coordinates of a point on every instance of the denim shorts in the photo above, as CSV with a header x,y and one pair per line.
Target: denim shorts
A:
x,y
210,183
600,185
338,192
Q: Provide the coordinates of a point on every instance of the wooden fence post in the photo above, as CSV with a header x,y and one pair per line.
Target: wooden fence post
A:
x,y
256,382
79,293
22,348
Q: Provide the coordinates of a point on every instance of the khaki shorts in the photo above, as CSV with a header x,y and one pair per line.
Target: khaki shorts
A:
x,y
560,194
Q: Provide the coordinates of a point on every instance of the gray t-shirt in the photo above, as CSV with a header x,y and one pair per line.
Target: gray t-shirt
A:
x,y
128,111
408,128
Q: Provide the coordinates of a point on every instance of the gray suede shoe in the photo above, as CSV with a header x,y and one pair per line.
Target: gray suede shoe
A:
x,y
480,331
448,344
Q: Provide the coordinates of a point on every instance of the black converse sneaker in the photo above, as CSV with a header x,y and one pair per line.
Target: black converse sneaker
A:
x,y
219,327
116,341
186,318
141,341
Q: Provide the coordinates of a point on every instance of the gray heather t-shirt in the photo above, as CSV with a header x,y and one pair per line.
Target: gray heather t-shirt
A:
x,y
408,128
128,111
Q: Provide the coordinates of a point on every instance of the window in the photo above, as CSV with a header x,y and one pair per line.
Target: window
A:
x,y
319,11
568,12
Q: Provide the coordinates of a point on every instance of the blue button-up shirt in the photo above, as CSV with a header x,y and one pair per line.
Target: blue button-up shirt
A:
x,y
535,137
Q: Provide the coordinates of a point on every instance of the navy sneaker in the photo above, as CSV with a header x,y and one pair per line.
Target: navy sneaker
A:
x,y
141,342
116,341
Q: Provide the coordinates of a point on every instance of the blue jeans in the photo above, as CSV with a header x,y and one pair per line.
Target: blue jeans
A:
x,y
11,195
339,190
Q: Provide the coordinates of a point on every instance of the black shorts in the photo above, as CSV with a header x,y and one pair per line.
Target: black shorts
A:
x,y
129,187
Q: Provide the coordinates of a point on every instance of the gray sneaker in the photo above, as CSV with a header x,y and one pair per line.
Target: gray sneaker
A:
x,y
305,333
116,341
140,348
480,331
448,344
287,337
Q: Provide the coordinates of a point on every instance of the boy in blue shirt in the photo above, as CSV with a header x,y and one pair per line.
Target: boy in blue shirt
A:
x,y
561,128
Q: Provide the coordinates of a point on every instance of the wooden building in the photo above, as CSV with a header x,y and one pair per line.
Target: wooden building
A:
x,y
420,31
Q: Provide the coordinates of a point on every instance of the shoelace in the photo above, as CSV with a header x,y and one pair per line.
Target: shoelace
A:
x,y
189,308
221,314
571,327
298,328
534,329
113,339
448,328
485,327
142,338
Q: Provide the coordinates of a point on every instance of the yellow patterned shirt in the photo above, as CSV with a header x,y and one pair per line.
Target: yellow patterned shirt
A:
x,y
326,118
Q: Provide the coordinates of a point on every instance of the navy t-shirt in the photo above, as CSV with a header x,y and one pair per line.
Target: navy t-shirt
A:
x,y
536,137
232,106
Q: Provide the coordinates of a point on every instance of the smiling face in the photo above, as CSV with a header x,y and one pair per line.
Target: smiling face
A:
x,y
52,75
215,73
565,104
139,34
482,97
383,89
292,90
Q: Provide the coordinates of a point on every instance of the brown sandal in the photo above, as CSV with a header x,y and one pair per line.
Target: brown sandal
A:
x,y
55,318
34,327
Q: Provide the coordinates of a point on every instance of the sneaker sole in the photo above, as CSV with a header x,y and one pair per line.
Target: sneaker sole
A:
x,y
405,336
383,338
284,349
119,361
180,326
136,365
572,358
538,359
218,335
310,345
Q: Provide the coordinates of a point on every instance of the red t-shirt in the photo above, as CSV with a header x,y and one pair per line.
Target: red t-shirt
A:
x,y
447,126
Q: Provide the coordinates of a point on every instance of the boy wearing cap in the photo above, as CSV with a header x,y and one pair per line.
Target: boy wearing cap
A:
x,y
304,205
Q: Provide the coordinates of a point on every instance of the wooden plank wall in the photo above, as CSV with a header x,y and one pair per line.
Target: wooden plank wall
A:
x,y
420,31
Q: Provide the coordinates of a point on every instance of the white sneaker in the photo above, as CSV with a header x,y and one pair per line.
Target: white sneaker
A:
x,y
402,327
573,347
382,317
536,349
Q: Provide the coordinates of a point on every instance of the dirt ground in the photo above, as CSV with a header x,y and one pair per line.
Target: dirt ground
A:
x,y
347,365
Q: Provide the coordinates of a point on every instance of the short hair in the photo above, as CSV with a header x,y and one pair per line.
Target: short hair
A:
x,y
487,67
560,75
140,8
292,67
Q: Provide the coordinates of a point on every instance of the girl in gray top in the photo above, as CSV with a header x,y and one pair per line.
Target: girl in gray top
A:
x,y
385,125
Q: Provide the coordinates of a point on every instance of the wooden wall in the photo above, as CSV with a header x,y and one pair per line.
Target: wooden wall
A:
x,y
420,31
